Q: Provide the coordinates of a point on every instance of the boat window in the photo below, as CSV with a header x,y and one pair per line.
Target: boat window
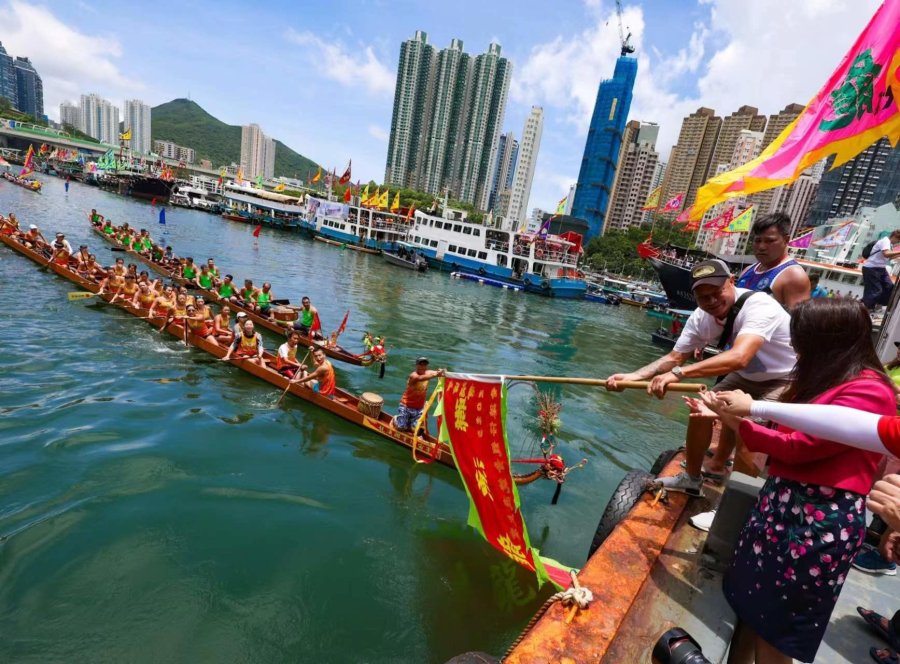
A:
x,y
476,232
434,243
438,224
482,255
457,228
472,253
452,248
467,230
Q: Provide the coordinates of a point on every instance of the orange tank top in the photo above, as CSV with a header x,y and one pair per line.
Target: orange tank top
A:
x,y
415,395
326,382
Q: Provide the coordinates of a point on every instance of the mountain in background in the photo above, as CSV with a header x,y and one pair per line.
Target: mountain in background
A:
x,y
184,122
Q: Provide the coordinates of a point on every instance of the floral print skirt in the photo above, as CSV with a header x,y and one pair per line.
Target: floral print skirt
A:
x,y
791,560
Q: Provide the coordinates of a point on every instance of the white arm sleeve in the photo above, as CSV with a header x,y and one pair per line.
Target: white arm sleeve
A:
x,y
849,426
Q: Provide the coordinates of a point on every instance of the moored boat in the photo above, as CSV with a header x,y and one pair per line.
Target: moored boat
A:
x,y
405,256
30,185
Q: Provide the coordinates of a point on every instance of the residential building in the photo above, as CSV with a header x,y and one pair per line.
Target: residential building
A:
x,y
9,89
257,153
137,119
30,88
746,117
691,156
777,123
601,149
170,150
70,114
870,179
447,117
635,170
795,200
100,119
528,152
505,169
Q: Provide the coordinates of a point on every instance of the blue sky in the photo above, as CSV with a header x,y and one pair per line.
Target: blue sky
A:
x,y
319,76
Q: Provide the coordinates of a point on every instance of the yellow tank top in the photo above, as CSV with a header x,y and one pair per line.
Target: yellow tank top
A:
x,y
248,344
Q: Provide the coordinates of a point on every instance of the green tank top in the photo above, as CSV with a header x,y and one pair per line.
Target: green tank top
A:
x,y
157,255
226,290
307,318
263,298
188,272
247,294
205,280
109,230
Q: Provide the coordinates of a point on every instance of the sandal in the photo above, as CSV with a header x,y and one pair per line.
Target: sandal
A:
x,y
715,477
728,464
884,656
877,623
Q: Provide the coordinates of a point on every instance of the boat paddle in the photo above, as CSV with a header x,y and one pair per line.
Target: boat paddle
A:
x,y
80,295
291,381
122,249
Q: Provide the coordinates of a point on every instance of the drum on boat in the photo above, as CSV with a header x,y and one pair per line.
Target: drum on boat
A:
x,y
283,314
370,404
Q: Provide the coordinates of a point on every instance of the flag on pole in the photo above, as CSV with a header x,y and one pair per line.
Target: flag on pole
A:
x,y
720,222
28,166
317,176
858,105
561,206
673,204
345,178
802,241
395,205
838,237
257,230
279,186
741,223
162,216
684,216
410,212
652,201
343,325
382,201
474,427
364,196
348,193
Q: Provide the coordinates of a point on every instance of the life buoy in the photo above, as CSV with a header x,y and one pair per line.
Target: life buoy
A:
x,y
620,503
482,271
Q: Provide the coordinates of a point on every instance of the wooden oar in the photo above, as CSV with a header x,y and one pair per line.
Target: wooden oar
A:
x,y
80,295
123,249
601,382
291,381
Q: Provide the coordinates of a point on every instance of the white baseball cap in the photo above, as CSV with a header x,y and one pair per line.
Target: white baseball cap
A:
x,y
241,314
33,227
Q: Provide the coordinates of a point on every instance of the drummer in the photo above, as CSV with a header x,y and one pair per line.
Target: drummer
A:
x,y
412,403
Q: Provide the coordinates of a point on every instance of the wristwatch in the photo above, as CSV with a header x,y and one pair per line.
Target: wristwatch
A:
x,y
677,372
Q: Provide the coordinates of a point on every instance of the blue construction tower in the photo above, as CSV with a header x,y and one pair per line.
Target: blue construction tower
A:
x,y
601,151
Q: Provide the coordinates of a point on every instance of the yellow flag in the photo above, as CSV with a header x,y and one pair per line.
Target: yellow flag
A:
x,y
561,206
364,196
383,199
317,176
741,223
279,186
240,175
395,206
652,200
126,136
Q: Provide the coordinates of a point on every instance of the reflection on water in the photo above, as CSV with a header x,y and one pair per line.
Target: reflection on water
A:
x,y
153,501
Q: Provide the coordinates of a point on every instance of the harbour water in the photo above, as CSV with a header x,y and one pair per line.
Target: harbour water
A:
x,y
156,506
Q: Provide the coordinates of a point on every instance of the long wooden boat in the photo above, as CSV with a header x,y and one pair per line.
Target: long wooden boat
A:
x,y
30,185
344,404
336,352
354,247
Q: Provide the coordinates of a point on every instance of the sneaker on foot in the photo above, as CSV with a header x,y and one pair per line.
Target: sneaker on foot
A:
x,y
682,483
871,561
703,521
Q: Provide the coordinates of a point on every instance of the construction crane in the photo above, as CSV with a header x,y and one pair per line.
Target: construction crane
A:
x,y
626,47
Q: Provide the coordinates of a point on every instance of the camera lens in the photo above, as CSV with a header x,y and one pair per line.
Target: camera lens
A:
x,y
678,647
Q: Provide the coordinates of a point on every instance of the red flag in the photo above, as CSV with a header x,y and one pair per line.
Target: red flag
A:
x,y
646,249
347,193
257,230
410,212
343,325
673,204
153,202
316,324
345,178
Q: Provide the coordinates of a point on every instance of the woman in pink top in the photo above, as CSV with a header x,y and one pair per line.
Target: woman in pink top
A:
x,y
795,550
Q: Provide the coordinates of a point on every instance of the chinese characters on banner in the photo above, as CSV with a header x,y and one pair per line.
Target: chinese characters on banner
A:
x,y
473,426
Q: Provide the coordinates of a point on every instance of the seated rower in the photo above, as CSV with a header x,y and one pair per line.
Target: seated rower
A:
x,y
214,271
247,296
144,297
222,326
308,323
177,314
249,345
132,270
204,279
203,308
264,299
120,268
156,253
98,219
108,229
188,298
80,257
413,400
91,268
127,291
286,360
144,244
321,379
240,319
112,282
199,325
163,303
9,225
168,256
34,239
61,250
189,270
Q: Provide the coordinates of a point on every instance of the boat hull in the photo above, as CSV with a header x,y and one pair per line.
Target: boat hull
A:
x,y
394,259
676,281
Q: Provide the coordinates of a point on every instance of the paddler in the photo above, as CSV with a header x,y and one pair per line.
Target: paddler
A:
x,y
321,379
189,270
308,324
168,256
199,325
226,289
214,271
144,297
203,308
112,282
178,313
248,345
144,244
204,280
163,303
108,229
91,268
127,291
241,318
286,360
61,250
80,257
247,296
97,219
157,253
264,299
33,239
413,400
222,326
119,267
9,225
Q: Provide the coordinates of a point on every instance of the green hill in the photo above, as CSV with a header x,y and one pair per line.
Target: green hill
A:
x,y
184,122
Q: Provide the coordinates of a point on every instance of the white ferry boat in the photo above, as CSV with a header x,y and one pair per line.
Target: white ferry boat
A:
x,y
245,203
540,264
355,225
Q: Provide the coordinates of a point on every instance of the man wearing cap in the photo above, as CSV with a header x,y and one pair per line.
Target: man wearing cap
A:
x,y
239,323
413,400
33,238
61,250
758,359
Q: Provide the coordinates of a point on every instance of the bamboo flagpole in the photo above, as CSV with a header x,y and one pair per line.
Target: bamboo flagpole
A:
x,y
596,382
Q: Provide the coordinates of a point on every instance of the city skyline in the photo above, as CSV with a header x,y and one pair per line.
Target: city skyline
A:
x,y
342,64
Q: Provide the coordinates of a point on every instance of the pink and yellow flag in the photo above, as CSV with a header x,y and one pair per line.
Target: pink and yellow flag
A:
x,y
858,105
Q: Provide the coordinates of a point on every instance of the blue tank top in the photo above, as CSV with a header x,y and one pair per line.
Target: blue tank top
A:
x,y
762,281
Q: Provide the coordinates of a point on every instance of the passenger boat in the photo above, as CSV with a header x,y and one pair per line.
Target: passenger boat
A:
x,y
245,203
354,225
188,195
405,256
336,352
344,404
547,265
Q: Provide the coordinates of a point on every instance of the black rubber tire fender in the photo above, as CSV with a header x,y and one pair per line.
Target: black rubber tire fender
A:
x,y
662,461
620,503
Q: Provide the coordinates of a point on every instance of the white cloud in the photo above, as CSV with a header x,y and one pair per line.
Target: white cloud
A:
x,y
339,64
379,133
767,54
70,63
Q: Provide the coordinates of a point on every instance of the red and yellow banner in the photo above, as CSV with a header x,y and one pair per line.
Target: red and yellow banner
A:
x,y
473,425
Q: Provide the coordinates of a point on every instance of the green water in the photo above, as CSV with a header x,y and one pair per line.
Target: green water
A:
x,y
155,506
